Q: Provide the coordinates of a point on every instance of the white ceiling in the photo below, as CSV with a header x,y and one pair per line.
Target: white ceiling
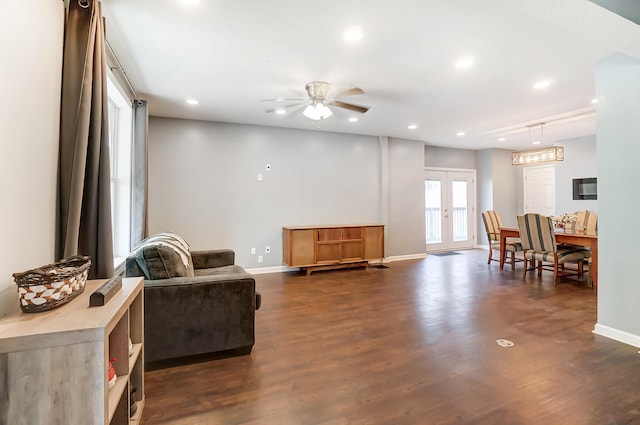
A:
x,y
230,55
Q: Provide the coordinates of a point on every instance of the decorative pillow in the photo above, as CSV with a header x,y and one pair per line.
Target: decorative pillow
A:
x,y
170,238
163,256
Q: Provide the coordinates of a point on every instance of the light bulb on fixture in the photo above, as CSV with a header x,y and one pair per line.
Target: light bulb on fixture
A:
x,y
317,111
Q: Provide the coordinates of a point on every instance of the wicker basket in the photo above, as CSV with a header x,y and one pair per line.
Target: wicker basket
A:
x,y
53,285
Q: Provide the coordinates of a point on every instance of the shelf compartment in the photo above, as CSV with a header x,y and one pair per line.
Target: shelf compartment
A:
x,y
115,394
137,348
351,233
137,417
330,235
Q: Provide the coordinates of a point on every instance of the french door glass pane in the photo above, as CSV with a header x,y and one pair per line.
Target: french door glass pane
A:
x,y
460,211
433,210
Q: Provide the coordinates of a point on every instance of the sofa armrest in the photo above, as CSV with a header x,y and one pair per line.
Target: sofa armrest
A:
x,y
213,258
204,314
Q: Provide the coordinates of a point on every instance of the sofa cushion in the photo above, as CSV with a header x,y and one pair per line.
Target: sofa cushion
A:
x,y
224,270
163,256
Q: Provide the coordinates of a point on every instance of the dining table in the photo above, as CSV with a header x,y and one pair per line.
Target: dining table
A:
x,y
563,236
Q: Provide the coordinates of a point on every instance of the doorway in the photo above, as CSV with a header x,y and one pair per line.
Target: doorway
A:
x,y
450,209
540,189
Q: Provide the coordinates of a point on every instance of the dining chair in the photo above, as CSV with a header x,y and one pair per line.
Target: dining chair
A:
x,y
585,218
589,221
492,224
540,247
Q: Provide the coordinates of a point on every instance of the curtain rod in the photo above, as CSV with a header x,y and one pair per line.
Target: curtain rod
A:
x,y
122,71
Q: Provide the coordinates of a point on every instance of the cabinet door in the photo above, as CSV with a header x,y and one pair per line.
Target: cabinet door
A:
x,y
301,247
351,247
373,242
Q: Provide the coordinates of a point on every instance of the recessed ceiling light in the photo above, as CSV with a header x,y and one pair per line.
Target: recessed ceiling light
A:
x,y
460,133
542,84
536,142
594,101
502,139
352,35
465,62
280,111
192,101
353,119
412,126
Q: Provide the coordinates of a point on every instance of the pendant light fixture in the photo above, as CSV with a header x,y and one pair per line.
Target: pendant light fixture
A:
x,y
552,153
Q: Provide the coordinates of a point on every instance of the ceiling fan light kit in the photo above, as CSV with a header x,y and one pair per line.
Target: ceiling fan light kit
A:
x,y
317,112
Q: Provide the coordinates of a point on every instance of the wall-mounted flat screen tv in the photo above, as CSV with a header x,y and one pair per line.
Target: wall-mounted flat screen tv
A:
x,y
586,188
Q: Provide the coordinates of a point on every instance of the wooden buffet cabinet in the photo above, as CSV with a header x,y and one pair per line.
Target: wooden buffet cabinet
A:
x,y
54,364
333,246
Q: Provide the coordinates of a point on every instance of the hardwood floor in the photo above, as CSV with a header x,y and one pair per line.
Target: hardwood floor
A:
x,y
414,343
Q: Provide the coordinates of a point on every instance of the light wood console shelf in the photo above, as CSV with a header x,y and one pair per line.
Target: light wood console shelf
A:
x,y
333,246
54,364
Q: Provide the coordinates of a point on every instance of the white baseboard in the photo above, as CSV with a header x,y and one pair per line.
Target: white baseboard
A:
x,y
405,257
273,269
616,334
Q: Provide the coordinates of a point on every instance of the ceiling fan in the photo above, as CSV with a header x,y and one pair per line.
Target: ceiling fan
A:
x,y
321,96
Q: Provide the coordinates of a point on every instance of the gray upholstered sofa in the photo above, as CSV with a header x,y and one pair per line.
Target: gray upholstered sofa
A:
x,y
195,302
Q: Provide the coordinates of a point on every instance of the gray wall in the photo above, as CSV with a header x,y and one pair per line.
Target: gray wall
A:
x,y
438,157
497,188
32,34
484,174
580,162
618,127
406,198
203,184
505,186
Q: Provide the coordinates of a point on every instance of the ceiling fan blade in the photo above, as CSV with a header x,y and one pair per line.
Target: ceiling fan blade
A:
x,y
291,105
298,107
283,99
350,106
297,110
352,91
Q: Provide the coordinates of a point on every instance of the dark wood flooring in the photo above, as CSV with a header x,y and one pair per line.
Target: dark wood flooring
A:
x,y
414,343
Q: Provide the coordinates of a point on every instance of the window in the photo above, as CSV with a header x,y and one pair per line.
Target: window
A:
x,y
120,131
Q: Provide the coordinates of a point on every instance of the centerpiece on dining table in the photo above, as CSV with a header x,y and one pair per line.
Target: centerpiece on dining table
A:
x,y
561,221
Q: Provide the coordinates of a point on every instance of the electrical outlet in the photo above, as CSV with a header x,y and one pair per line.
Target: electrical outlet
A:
x,y
253,251
259,258
267,250
268,167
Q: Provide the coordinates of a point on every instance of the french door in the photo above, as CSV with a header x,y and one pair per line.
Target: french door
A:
x,y
450,211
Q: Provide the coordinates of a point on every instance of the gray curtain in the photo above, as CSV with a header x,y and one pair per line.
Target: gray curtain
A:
x,y
84,199
139,173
